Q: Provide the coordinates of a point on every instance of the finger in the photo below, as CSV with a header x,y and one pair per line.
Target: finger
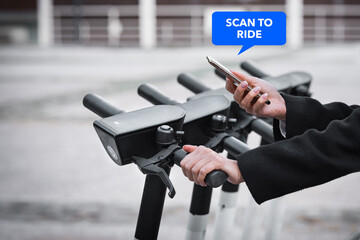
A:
x,y
188,163
240,92
251,80
241,76
187,170
196,169
205,170
250,99
208,156
187,158
184,164
260,104
189,148
230,86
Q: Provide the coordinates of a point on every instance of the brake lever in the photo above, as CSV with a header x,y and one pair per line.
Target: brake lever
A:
x,y
150,166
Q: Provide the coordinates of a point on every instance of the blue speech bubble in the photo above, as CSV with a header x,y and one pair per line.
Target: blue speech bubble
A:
x,y
248,29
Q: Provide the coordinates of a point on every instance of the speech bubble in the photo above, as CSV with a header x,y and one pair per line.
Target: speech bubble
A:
x,y
248,29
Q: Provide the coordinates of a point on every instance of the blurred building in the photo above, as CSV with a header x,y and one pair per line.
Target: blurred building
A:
x,y
18,21
176,23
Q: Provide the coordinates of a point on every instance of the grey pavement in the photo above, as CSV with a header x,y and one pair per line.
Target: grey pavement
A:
x,y
57,182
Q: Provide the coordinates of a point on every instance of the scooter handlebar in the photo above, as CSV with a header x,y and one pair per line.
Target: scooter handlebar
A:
x,y
191,83
213,179
264,129
100,106
253,70
234,146
153,95
217,177
220,74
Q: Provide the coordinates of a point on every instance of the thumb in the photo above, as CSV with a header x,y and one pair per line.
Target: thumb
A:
x,y
243,77
189,148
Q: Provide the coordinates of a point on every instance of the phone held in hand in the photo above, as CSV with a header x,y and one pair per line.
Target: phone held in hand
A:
x,y
231,76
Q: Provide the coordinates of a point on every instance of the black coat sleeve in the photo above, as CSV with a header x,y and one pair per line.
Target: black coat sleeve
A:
x,y
319,151
304,113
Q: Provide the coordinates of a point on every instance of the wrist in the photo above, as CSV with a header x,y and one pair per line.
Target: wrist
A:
x,y
235,176
282,116
282,110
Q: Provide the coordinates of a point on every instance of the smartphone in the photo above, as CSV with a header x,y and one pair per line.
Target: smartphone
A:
x,y
231,76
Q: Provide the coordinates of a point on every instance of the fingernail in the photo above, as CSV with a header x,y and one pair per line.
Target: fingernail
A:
x,y
256,89
244,84
265,95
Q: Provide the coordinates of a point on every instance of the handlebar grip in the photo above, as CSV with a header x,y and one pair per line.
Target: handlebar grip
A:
x,y
253,70
179,155
216,178
220,74
263,129
302,90
153,95
100,106
234,146
191,83
213,179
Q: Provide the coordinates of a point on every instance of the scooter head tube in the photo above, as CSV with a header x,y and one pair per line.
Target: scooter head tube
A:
x,y
134,133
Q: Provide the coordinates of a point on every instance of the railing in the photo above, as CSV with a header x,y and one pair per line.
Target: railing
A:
x,y
331,23
189,25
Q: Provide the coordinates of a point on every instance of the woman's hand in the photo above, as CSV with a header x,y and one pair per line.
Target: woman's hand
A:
x,y
257,107
202,160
